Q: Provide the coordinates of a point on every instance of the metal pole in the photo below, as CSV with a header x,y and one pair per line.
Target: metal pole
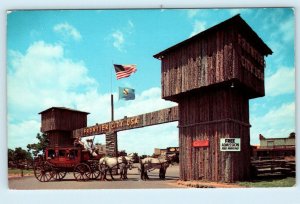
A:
x,y
112,106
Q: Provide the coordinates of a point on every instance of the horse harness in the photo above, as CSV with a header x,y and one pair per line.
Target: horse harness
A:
x,y
161,164
124,161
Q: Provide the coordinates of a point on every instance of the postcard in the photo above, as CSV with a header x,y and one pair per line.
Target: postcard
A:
x,y
151,98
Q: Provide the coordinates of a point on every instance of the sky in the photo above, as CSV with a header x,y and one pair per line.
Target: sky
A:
x,y
65,58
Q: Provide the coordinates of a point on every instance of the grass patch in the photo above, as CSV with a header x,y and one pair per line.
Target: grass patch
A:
x,y
270,182
18,171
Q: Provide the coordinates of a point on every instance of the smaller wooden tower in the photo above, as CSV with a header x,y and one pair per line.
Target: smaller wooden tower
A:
x,y
212,76
59,122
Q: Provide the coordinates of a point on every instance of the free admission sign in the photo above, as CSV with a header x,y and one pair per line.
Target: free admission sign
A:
x,y
230,144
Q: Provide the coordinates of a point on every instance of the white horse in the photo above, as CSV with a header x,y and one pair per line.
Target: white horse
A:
x,y
110,163
149,164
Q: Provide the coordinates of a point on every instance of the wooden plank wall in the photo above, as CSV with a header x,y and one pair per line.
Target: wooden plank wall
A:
x,y
219,57
212,115
59,119
60,138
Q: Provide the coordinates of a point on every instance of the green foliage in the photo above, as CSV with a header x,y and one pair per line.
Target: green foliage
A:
x,y
272,182
10,154
17,171
41,146
292,135
19,155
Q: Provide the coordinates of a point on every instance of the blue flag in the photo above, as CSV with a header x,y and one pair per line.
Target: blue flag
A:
x,y
126,93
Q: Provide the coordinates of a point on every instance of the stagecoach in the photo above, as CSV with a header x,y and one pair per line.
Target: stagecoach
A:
x,y
58,161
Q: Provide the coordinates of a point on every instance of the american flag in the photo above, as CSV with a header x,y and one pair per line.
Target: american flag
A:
x,y
123,71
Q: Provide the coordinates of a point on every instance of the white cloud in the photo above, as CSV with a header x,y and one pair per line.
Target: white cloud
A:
x,y
43,77
22,133
198,27
279,122
67,30
239,11
144,140
148,101
121,35
281,82
130,23
192,13
235,11
118,40
288,29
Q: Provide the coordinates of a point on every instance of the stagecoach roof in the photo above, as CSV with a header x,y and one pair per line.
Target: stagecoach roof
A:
x,y
63,108
235,20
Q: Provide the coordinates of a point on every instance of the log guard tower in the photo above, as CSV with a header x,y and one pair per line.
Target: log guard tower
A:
x,y
212,76
59,122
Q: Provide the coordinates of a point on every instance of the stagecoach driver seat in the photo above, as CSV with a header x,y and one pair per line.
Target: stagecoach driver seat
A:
x,y
78,142
90,147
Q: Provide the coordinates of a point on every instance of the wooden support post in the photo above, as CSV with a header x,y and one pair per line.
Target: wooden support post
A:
x,y
111,144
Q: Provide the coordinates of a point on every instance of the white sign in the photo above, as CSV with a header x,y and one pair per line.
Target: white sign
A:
x,y
230,144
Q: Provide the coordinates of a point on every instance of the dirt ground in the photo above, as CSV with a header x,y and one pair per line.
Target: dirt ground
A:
x,y
28,181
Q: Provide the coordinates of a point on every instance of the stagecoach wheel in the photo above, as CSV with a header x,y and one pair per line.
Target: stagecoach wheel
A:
x,y
43,172
82,172
58,174
95,172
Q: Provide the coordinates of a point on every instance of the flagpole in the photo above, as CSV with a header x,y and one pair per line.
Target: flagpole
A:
x,y
111,96
111,77
112,106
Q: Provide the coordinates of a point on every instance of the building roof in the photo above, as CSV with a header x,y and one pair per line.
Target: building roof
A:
x,y
235,20
63,108
291,136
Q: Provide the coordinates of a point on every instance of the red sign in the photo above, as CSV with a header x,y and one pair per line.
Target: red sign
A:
x,y
201,143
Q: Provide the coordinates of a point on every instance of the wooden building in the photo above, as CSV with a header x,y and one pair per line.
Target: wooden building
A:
x,y
59,122
212,76
275,148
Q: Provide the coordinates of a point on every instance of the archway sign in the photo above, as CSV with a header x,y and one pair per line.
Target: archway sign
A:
x,y
212,76
110,129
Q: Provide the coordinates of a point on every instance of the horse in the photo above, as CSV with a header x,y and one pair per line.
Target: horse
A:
x,y
150,164
110,163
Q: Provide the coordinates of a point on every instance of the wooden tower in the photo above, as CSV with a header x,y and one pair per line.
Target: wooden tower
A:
x,y
59,122
212,76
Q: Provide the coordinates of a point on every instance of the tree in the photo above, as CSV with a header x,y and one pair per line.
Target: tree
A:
x,y
41,146
19,158
292,135
135,157
11,155
21,155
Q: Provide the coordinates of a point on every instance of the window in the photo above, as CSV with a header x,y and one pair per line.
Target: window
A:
x,y
73,153
51,153
62,153
270,143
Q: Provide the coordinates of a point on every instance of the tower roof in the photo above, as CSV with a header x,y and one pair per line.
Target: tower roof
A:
x,y
237,21
63,108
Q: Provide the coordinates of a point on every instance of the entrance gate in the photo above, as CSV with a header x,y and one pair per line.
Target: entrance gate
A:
x,y
111,128
212,76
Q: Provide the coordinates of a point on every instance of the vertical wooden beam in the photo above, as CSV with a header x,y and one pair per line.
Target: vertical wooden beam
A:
x,y
111,144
